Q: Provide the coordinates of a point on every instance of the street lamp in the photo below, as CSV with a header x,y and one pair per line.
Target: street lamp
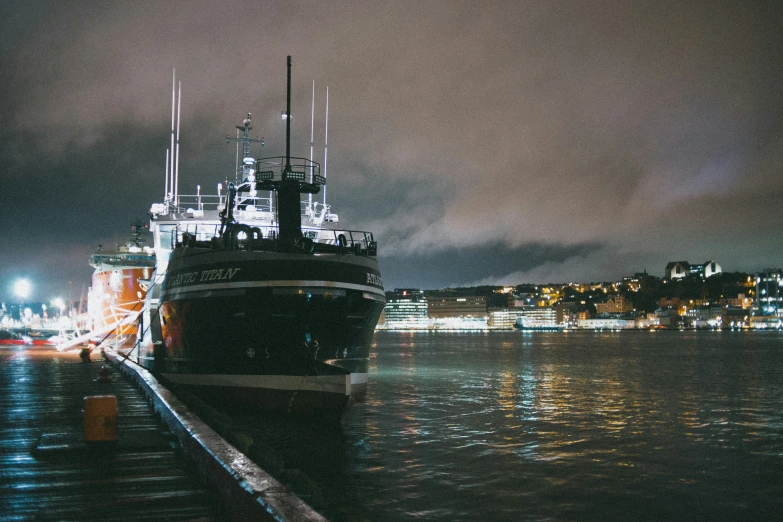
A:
x,y
22,290
59,303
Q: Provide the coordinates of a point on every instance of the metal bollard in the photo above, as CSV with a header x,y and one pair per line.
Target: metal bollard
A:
x,y
100,418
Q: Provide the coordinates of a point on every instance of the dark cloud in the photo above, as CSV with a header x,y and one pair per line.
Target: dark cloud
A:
x,y
487,264
550,141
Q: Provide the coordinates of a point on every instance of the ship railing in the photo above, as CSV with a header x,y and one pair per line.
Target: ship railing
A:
x,y
322,240
195,202
190,204
301,169
249,206
141,260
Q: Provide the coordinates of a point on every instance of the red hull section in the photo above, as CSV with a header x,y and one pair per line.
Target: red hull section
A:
x,y
114,294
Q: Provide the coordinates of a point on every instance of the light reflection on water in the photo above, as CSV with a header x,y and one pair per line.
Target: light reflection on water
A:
x,y
553,426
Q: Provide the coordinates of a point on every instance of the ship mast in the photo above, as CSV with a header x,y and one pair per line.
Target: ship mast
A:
x,y
170,172
312,128
289,187
248,163
288,192
326,140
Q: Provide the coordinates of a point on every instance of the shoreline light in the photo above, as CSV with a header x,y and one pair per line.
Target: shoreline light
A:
x,y
22,288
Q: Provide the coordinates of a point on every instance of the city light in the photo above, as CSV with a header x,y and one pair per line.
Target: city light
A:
x,y
59,303
22,288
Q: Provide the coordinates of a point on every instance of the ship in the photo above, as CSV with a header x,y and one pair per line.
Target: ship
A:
x,y
261,301
119,288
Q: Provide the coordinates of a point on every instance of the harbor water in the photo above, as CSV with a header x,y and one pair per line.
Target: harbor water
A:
x,y
638,425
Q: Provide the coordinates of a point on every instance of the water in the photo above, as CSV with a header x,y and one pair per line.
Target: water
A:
x,y
557,426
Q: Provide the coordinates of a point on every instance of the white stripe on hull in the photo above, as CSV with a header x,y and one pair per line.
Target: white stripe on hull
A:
x,y
359,378
318,383
178,292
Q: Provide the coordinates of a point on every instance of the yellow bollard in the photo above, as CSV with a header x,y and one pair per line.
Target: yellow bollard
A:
x,y
100,418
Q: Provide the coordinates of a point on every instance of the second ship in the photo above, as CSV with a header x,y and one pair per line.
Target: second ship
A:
x,y
262,302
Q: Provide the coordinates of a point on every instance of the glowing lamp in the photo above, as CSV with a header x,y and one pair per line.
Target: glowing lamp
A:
x,y
22,288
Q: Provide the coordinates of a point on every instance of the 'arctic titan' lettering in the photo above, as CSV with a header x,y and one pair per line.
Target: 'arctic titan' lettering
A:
x,y
184,279
374,279
219,274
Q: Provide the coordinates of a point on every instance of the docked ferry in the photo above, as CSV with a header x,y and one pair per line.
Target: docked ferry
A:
x,y
260,300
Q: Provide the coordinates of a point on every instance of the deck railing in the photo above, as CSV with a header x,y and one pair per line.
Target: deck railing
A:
x,y
325,240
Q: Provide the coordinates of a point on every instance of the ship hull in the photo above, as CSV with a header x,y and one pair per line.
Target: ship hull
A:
x,y
115,295
289,333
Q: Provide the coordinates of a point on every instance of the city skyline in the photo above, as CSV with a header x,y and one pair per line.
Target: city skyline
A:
x,y
504,144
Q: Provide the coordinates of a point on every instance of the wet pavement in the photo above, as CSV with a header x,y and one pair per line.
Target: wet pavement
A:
x,y
48,472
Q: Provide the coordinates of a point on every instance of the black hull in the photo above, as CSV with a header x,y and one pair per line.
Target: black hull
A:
x,y
324,399
289,333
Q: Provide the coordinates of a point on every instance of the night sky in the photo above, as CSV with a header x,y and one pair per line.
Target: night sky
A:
x,y
482,142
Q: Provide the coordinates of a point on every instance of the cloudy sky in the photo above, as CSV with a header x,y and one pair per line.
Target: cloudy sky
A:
x,y
482,142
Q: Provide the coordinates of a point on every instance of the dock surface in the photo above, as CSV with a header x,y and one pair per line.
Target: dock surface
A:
x,y
48,472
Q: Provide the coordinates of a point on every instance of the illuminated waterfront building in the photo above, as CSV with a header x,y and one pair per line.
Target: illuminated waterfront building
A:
x,y
458,312
538,316
502,318
567,314
769,298
706,316
405,309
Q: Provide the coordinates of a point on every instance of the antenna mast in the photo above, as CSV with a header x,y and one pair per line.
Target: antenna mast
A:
x,y
236,167
176,178
326,140
312,126
166,190
170,171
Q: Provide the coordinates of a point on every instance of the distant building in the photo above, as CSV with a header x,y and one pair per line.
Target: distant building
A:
x,y
502,318
711,315
639,281
538,316
741,301
677,270
668,317
405,309
669,302
735,317
682,269
769,297
457,312
710,269
567,314
613,305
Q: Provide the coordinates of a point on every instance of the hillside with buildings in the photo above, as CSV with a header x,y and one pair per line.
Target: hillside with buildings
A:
x,y
688,296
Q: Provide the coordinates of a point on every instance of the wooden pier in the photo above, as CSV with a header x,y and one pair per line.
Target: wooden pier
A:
x,y
50,473
166,463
